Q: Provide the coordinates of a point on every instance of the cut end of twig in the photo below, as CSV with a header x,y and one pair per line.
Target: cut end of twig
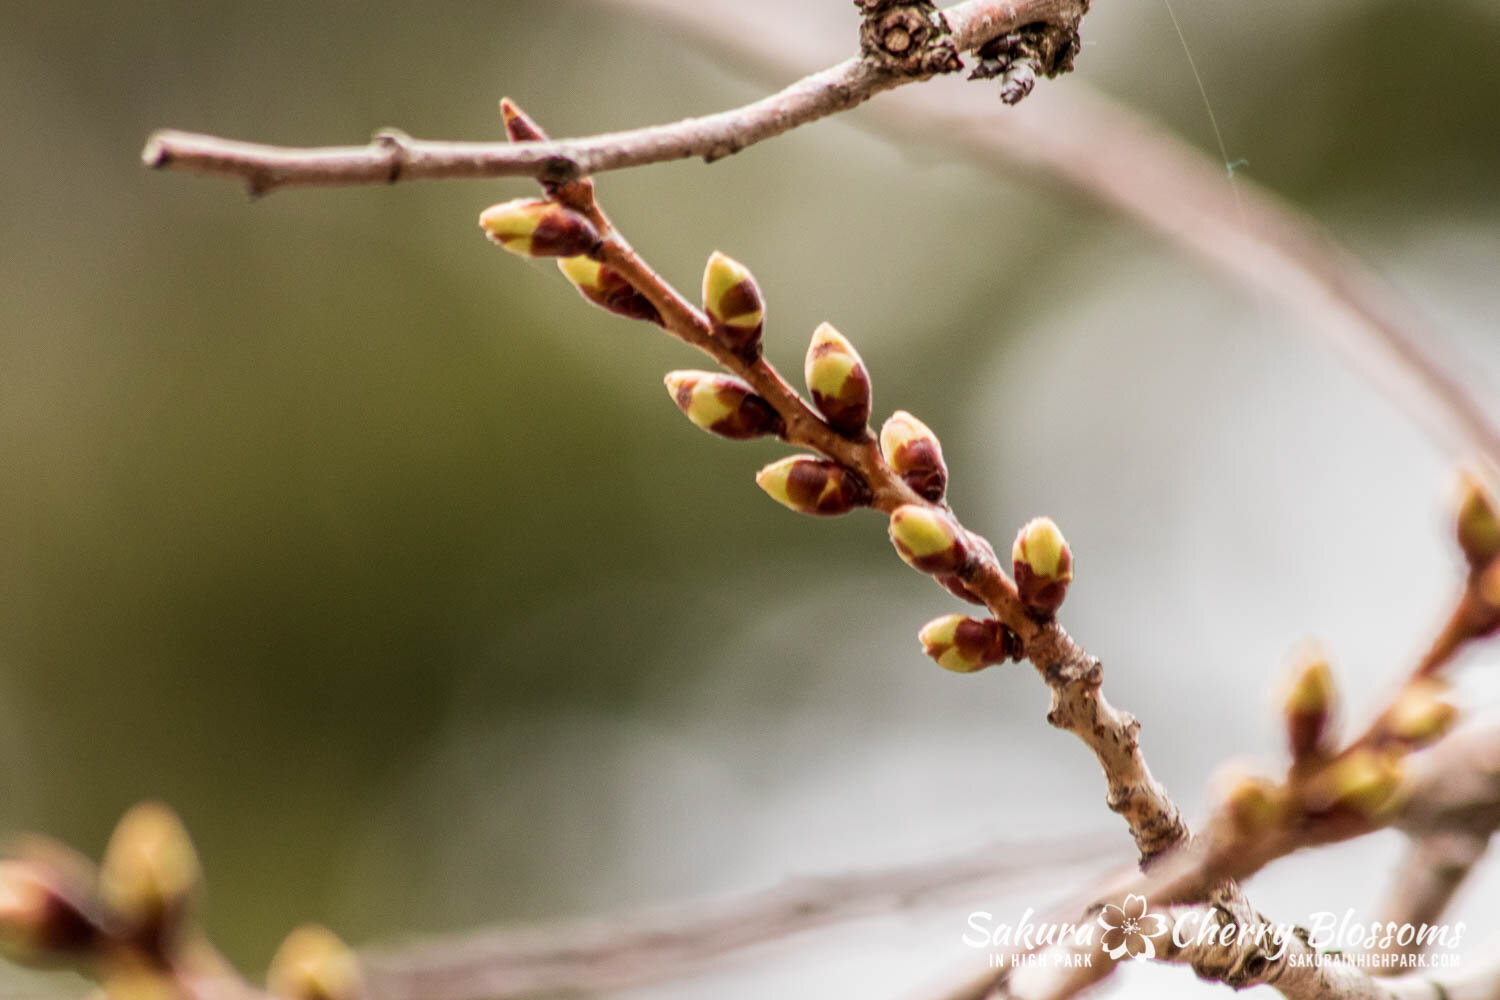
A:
x,y
155,155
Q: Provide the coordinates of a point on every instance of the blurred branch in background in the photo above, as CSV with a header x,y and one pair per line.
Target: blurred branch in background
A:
x,y
641,949
1108,152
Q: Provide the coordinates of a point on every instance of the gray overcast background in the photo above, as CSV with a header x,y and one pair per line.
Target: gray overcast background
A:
x,y
388,563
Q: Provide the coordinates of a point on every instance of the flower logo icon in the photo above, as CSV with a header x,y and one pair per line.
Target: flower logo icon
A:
x,y
1128,929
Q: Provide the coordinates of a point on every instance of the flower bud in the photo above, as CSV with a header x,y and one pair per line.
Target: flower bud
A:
x,y
1309,702
520,126
963,644
1365,781
723,404
1250,802
811,485
1476,523
733,302
607,288
837,379
914,453
533,227
42,915
1043,566
149,873
927,539
1420,715
313,964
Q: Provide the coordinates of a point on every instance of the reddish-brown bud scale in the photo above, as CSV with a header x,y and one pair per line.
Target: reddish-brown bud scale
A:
x,y
520,126
1308,704
539,228
928,539
723,404
44,913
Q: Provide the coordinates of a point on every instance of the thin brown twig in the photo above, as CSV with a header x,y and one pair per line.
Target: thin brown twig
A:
x,y
393,156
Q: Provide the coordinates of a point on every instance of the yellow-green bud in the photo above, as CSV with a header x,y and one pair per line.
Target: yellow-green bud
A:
x,y
734,304
1420,715
1476,523
914,453
1308,703
1043,566
837,379
533,227
41,917
723,404
927,539
1365,781
313,964
607,288
811,485
149,873
963,644
1250,802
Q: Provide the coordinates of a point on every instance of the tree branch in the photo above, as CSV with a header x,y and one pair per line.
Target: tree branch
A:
x,y
393,156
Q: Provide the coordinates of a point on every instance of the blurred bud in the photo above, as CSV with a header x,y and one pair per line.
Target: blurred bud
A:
x,y
914,453
1365,781
723,404
1476,524
733,302
837,379
533,227
42,915
1043,566
1309,702
963,644
927,539
519,126
313,964
1420,714
1251,802
607,288
811,485
149,873
134,980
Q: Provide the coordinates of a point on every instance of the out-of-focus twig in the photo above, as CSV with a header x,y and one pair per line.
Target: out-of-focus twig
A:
x,y
645,948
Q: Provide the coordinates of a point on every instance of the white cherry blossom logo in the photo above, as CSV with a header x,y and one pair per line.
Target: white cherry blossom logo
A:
x,y
1128,929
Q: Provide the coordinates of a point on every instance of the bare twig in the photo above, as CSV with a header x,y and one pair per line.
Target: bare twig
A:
x,y
393,156
645,948
1434,867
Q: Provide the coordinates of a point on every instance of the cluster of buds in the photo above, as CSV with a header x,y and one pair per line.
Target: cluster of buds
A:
x,y
963,644
1043,566
130,922
1309,704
